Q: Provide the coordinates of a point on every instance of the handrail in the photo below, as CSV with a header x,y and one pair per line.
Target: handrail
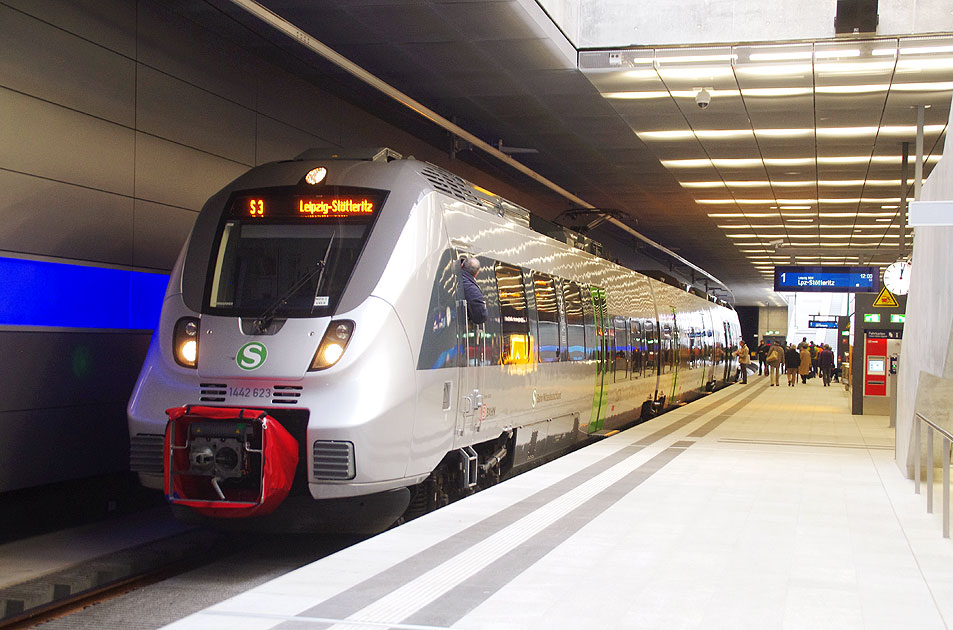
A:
x,y
947,445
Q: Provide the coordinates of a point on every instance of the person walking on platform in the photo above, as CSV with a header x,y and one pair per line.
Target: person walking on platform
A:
x,y
825,362
805,366
792,360
762,355
744,360
774,359
813,350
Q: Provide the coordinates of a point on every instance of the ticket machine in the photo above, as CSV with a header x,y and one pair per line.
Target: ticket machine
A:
x,y
881,353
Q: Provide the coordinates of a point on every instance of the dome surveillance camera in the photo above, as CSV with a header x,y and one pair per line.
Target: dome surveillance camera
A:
x,y
703,98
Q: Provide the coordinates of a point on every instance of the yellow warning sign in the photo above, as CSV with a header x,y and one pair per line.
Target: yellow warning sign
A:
x,y
886,299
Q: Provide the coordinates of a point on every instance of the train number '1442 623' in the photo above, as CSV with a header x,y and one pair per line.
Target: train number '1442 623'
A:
x,y
250,392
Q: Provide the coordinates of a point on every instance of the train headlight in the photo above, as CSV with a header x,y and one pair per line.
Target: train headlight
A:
x,y
185,342
333,344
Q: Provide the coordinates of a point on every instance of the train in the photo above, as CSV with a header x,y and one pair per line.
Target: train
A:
x,y
316,366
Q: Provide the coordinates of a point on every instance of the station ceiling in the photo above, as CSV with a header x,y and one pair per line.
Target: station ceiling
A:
x,y
796,159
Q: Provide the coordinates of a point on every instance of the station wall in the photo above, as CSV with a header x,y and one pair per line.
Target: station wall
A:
x,y
120,118
926,355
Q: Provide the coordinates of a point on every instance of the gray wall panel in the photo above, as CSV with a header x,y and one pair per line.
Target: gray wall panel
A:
x,y
289,99
51,141
50,445
172,44
66,369
109,23
175,110
177,175
278,141
50,218
54,65
160,232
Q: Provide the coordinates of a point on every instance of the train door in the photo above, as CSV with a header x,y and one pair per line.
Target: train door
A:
x,y
601,355
622,350
728,351
477,347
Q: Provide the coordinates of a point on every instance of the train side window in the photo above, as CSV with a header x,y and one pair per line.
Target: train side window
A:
x,y
638,347
668,349
514,319
651,344
620,357
547,315
575,321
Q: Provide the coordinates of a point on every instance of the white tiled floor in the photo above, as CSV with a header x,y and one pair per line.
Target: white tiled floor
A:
x,y
790,514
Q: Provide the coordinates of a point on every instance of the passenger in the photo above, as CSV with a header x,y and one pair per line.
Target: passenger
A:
x,y
825,362
774,360
476,303
762,355
744,360
805,366
803,343
792,360
813,350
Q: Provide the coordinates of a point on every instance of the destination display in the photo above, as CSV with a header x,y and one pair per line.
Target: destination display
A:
x,y
342,203
827,279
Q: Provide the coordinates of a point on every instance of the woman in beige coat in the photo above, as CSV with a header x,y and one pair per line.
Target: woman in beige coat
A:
x,y
805,367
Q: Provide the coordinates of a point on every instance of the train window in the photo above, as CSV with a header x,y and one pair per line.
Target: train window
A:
x,y
638,347
620,356
668,350
514,322
575,321
651,347
547,315
299,269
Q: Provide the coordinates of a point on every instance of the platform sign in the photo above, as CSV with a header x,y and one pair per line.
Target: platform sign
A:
x,y
822,279
821,324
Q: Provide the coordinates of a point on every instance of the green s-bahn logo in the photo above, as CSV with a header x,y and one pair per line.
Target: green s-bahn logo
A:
x,y
251,356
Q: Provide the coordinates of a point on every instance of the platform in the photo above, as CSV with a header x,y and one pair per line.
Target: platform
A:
x,y
757,507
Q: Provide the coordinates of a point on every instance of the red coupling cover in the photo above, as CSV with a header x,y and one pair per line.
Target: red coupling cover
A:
x,y
267,473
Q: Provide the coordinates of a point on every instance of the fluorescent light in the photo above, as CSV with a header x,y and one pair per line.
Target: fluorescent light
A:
x,y
926,50
939,86
635,95
671,134
884,52
827,54
717,134
825,132
852,89
777,91
795,208
696,58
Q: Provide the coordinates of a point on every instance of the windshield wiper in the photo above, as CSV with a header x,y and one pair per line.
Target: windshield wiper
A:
x,y
264,320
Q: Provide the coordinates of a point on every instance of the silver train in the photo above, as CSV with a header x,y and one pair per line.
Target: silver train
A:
x,y
325,291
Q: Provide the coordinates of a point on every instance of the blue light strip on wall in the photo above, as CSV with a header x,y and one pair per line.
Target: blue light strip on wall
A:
x,y
37,293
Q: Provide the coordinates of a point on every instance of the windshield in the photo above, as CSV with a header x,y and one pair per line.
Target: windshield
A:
x,y
260,258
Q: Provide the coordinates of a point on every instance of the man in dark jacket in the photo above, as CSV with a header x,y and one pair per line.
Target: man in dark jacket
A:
x,y
792,359
825,362
762,356
476,303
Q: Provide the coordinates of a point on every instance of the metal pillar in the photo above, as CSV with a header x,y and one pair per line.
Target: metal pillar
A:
x,y
904,163
918,167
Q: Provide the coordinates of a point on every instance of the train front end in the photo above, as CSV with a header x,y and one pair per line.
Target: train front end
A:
x,y
277,388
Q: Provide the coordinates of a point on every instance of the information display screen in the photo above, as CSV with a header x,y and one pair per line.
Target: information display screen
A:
x,y
827,279
822,324
338,203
